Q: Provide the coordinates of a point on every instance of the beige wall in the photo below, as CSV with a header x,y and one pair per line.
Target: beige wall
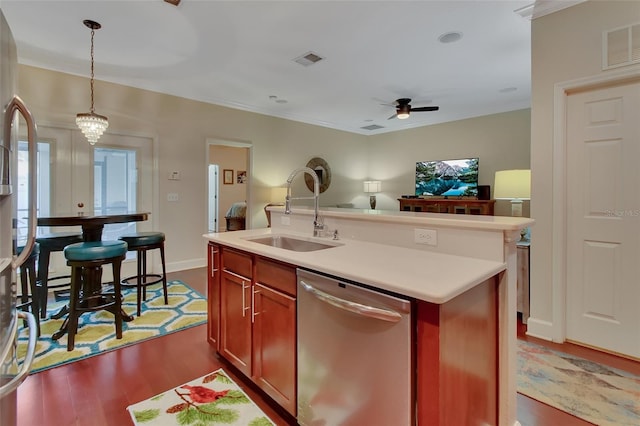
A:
x,y
501,141
566,45
180,129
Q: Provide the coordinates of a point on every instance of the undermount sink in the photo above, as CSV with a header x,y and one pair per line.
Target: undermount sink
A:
x,y
291,243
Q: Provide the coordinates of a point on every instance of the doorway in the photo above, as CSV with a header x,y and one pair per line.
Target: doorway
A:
x,y
228,181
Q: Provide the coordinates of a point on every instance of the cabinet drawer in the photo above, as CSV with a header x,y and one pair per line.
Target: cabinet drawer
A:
x,y
237,262
276,275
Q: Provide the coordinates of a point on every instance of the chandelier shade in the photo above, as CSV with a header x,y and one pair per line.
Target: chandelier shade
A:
x,y
91,124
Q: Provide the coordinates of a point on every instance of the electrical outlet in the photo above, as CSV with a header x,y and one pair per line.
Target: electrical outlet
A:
x,y
174,175
172,196
426,236
285,220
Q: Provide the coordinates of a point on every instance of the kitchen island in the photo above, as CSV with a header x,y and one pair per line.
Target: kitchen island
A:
x,y
462,283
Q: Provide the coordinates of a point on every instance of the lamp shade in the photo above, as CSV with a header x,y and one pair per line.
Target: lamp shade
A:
x,y
278,194
512,185
372,186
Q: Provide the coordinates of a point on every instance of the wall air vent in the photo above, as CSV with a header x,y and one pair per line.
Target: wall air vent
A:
x,y
621,46
308,58
372,127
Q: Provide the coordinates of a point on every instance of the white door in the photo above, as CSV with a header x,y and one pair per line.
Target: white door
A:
x,y
603,218
77,169
212,185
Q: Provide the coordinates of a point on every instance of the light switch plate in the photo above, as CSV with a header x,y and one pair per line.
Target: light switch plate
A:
x,y
172,196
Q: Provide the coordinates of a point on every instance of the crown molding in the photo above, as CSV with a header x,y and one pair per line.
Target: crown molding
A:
x,y
545,7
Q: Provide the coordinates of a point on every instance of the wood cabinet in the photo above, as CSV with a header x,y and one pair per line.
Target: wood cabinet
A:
x,y
257,318
448,205
274,331
456,352
235,309
456,343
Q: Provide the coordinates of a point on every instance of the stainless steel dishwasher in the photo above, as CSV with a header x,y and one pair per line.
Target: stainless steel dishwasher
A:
x,y
354,355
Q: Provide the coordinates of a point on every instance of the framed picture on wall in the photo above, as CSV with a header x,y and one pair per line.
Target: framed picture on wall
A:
x,y
241,176
227,176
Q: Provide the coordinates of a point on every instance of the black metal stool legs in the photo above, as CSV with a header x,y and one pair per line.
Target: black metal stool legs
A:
x,y
29,285
87,294
143,279
141,242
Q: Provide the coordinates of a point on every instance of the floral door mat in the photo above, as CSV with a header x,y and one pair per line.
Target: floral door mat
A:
x,y
213,399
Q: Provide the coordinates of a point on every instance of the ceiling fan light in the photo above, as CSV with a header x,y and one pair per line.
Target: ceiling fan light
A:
x,y
402,111
92,125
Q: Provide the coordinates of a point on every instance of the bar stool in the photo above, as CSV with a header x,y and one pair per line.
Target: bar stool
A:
x,y
50,243
28,283
86,261
141,242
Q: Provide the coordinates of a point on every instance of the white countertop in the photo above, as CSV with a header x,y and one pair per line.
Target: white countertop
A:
x,y
460,221
428,276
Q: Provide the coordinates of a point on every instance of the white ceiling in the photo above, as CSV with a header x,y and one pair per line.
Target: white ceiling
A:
x,y
240,53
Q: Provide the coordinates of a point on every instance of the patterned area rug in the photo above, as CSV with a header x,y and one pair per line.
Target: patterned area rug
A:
x,y
96,330
596,393
213,399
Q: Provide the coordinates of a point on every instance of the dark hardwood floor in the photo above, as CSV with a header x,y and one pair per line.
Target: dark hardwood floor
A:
x,y
96,391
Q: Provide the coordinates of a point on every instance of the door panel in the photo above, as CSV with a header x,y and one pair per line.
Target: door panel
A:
x,y
235,321
274,348
603,218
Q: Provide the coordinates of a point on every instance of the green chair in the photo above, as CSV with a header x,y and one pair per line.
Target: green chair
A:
x,y
141,242
86,261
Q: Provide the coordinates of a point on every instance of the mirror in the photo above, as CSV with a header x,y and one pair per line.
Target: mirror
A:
x,y
323,171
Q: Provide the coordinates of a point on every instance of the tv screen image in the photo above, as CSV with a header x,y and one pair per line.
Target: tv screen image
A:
x,y
447,178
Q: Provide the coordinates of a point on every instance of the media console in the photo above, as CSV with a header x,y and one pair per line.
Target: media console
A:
x,y
448,205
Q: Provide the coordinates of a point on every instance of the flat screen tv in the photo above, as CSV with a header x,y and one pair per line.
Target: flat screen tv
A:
x,y
447,178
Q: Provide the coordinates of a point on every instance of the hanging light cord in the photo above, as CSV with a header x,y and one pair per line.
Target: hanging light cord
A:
x,y
93,31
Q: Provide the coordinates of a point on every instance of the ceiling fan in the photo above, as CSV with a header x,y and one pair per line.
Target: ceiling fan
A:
x,y
404,108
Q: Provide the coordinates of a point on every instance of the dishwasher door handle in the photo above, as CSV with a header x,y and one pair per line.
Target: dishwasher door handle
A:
x,y
355,307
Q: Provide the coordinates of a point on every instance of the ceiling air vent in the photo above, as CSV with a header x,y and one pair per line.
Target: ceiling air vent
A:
x,y
621,46
308,58
372,127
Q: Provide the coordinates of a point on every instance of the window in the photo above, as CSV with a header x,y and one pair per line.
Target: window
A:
x,y
115,182
43,171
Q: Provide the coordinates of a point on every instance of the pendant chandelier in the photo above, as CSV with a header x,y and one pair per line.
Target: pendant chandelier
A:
x,y
92,125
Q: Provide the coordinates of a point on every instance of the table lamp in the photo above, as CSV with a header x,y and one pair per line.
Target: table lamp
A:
x,y
372,187
514,185
278,195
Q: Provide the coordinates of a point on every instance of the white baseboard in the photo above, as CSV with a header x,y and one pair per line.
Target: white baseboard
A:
x,y
186,264
540,329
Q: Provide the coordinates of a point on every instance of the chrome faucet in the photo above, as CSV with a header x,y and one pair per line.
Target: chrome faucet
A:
x,y
318,226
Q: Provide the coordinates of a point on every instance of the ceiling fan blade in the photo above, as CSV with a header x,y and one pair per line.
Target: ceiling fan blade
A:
x,y
393,116
427,108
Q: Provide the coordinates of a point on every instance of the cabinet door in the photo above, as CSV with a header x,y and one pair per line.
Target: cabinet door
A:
x,y
235,320
274,345
213,296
